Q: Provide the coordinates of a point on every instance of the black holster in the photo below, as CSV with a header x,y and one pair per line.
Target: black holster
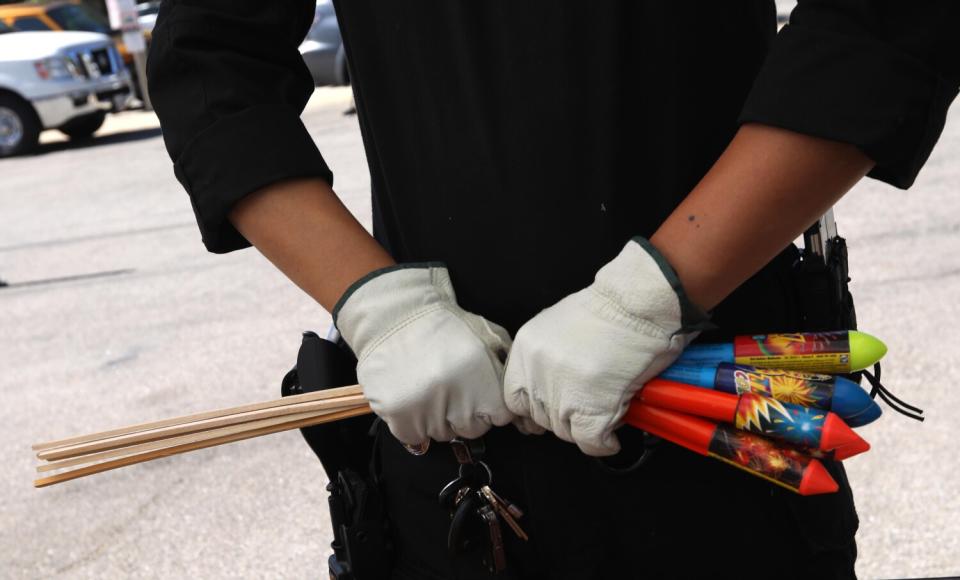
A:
x,y
347,450
822,289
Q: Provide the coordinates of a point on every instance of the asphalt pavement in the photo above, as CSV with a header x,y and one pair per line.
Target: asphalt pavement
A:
x,y
115,314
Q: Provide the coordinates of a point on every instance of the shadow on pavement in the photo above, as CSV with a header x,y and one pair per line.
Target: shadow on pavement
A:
x,y
95,141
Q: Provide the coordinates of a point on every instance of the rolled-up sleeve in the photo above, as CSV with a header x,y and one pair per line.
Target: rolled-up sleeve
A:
x,y
228,84
876,74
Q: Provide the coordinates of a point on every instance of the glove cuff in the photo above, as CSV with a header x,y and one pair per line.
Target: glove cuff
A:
x,y
662,301
692,317
386,298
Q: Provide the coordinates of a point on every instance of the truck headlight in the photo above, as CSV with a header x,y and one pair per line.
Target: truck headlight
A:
x,y
57,68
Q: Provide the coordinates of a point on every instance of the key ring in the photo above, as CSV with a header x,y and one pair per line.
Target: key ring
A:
x,y
481,464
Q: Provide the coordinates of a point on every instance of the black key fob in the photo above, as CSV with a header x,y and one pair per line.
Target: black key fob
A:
x,y
464,526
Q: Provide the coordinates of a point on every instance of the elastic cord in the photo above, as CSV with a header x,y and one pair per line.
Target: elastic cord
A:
x,y
888,397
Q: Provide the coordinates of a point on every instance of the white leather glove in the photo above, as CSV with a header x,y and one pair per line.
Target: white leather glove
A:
x,y
575,366
430,369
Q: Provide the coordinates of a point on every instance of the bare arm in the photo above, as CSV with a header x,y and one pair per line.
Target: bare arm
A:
x,y
301,226
765,190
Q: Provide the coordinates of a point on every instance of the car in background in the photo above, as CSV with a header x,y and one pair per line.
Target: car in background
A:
x,y
57,80
29,17
322,49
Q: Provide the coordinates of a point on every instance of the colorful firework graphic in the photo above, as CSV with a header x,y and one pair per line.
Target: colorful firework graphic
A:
x,y
754,453
755,411
810,351
800,343
793,423
807,389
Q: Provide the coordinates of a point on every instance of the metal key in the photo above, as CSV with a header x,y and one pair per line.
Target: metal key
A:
x,y
498,556
449,493
512,508
501,507
461,493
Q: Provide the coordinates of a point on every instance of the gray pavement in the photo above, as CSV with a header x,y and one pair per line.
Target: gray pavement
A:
x,y
168,329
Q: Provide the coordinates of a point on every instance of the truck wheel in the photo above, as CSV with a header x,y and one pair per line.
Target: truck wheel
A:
x,y
19,126
83,127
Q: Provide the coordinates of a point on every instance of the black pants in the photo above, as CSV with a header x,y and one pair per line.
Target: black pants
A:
x,y
680,515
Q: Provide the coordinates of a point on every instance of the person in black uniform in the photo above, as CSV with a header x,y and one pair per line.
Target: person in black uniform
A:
x,y
560,191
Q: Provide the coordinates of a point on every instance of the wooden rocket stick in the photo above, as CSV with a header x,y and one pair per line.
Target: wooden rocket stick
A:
x,y
248,433
190,437
169,431
285,401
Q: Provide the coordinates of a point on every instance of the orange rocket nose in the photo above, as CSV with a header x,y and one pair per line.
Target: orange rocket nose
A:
x,y
837,435
816,480
848,451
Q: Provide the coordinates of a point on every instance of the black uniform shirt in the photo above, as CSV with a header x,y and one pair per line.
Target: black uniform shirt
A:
x,y
523,143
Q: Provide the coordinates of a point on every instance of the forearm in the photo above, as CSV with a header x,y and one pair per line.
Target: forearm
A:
x,y
765,190
302,227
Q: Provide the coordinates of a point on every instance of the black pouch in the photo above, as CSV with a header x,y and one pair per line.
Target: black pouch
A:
x,y
361,542
821,280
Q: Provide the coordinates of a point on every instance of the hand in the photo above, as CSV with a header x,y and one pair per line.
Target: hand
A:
x,y
575,366
430,369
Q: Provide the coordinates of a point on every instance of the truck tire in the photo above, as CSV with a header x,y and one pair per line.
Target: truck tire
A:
x,y
19,126
83,127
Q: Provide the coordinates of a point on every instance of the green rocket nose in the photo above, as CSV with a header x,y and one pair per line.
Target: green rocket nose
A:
x,y
864,350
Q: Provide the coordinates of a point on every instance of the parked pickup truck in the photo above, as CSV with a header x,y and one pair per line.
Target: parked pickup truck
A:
x,y
57,80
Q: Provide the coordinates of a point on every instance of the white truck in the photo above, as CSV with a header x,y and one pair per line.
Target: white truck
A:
x,y
57,80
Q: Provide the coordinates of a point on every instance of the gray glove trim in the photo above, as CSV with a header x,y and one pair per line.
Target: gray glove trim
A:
x,y
371,275
692,317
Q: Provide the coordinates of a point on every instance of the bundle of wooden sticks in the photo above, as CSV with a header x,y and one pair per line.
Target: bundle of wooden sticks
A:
x,y
134,444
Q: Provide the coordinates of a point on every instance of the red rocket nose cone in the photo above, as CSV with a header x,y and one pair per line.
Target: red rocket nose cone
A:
x,y
848,451
816,480
837,434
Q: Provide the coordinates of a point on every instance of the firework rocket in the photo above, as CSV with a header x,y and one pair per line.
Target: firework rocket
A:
x,y
784,466
803,426
816,352
842,396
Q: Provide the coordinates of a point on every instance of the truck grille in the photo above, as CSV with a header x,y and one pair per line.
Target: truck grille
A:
x,y
102,58
93,63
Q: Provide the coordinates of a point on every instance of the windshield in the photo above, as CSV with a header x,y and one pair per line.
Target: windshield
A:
x,y
29,24
73,17
4,28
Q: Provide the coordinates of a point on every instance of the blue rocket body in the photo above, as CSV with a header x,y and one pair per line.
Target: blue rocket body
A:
x,y
842,396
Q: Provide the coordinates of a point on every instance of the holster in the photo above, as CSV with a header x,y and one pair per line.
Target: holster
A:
x,y
347,450
822,288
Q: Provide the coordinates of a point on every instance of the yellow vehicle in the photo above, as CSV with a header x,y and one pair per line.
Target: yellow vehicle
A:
x,y
59,16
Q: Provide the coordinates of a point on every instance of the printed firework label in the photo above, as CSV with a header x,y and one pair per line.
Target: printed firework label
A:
x,y
759,455
792,423
807,389
818,352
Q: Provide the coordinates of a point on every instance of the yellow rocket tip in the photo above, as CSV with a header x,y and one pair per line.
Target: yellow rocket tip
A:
x,y
865,350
